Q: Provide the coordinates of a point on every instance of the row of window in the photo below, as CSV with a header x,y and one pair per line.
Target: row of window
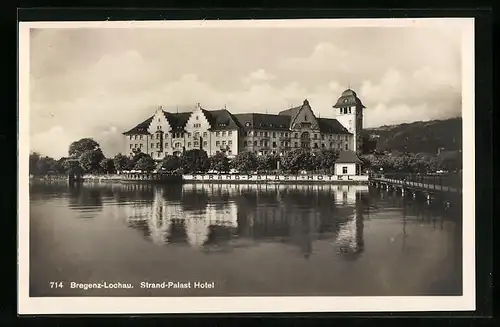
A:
x,y
217,143
251,133
296,145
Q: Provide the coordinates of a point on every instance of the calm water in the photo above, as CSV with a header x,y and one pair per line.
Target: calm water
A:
x,y
253,240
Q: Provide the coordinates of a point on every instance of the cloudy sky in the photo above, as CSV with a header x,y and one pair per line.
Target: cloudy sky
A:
x,y
91,82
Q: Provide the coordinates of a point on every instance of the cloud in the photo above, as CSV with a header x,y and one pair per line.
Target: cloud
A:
x,y
258,76
324,56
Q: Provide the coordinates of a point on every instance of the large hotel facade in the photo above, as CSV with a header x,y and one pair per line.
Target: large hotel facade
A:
x,y
215,131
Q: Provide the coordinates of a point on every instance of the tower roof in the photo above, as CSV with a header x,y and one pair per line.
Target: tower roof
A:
x,y
347,99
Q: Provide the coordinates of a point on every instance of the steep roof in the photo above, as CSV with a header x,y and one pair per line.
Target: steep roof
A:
x,y
263,121
347,99
141,128
332,126
177,120
290,112
348,157
221,119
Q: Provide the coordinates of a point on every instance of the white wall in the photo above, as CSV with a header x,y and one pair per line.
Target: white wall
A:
x,y
198,117
351,168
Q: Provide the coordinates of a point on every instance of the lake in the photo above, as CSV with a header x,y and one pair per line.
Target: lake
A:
x,y
240,240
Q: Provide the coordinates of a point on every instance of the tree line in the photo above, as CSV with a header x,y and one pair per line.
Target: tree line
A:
x,y
86,156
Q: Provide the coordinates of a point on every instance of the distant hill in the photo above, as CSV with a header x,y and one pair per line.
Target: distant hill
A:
x,y
417,137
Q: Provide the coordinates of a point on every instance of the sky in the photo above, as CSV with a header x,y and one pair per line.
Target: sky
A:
x,y
99,83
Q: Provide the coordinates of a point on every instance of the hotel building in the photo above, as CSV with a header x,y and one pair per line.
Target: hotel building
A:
x,y
214,131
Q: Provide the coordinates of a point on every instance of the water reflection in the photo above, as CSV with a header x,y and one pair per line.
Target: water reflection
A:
x,y
224,217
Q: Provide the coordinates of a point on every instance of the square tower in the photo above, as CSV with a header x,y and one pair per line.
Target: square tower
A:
x,y
349,112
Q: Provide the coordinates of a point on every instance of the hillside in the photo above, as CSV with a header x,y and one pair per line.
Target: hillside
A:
x,y
418,137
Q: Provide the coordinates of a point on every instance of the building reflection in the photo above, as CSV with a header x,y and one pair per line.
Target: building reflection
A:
x,y
214,217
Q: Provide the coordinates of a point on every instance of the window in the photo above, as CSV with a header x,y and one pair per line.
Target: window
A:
x,y
274,134
274,144
130,137
305,118
266,134
140,137
224,133
229,133
247,124
286,144
177,145
322,136
189,144
157,145
197,135
315,136
140,146
296,144
131,146
296,135
344,170
166,145
205,143
189,134
349,109
152,145
286,134
347,146
217,143
347,137
261,134
158,119
245,143
204,134
223,142
196,117
217,134
255,143
229,152
229,142
135,137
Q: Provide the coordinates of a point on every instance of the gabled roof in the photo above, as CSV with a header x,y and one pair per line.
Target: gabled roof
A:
x,y
142,128
177,120
290,112
221,119
263,121
347,99
348,157
332,126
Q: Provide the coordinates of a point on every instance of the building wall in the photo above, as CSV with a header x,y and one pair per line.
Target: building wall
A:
x,y
226,139
351,169
136,142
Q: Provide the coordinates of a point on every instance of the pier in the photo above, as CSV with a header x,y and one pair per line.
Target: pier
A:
x,y
431,186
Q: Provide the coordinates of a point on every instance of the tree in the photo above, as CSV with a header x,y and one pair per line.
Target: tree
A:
x,y
244,162
107,165
325,160
121,162
145,163
90,160
267,162
219,162
77,148
33,163
195,160
296,160
138,155
171,163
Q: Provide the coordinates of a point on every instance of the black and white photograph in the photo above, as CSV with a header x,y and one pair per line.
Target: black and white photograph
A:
x,y
246,166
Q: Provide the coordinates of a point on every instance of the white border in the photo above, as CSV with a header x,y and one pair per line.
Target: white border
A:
x,y
137,305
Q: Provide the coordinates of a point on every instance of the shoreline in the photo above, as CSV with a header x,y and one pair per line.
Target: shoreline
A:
x,y
212,178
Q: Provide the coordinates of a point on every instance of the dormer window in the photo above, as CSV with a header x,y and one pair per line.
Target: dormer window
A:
x,y
248,124
305,118
196,117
